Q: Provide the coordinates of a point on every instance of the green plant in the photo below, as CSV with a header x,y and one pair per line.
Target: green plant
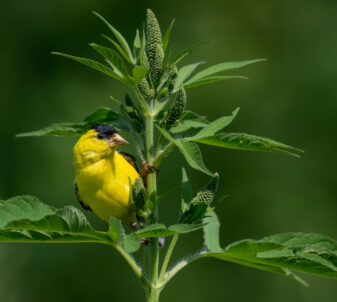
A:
x,y
158,122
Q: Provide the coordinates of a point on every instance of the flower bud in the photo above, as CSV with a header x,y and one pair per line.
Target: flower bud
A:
x,y
177,109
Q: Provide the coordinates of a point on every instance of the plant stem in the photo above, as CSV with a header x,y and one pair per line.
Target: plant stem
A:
x,y
168,256
152,291
152,295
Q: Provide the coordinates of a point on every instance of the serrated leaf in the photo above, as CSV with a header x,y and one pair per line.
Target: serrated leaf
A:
x,y
215,126
25,218
23,207
139,72
167,35
220,68
183,74
211,232
308,253
208,80
250,142
119,37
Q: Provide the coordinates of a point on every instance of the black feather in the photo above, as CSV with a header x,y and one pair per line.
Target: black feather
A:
x,y
104,131
84,206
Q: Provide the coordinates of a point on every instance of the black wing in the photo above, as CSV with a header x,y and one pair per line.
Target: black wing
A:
x,y
130,158
84,206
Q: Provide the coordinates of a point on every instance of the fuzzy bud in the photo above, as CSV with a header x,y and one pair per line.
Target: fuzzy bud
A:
x,y
177,109
154,49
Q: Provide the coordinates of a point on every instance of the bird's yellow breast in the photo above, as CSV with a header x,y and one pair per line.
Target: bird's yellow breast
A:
x,y
105,186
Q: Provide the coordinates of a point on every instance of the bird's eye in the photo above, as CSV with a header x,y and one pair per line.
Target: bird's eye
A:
x,y
99,136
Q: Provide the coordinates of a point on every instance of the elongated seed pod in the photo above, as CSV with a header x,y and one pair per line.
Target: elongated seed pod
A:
x,y
140,201
177,109
145,89
173,77
207,193
154,49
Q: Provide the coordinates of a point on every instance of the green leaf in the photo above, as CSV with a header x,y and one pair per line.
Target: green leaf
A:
x,y
209,80
23,207
220,68
64,129
137,44
186,192
131,243
189,120
139,73
250,142
167,35
215,126
95,65
197,208
102,115
185,228
186,125
119,37
25,218
113,59
183,74
190,151
116,230
160,230
192,155
120,49
309,253
211,232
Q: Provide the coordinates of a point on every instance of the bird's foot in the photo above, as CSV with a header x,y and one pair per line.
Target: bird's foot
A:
x,y
146,169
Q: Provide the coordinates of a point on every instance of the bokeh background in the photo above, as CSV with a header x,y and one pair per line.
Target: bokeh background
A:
x,y
291,98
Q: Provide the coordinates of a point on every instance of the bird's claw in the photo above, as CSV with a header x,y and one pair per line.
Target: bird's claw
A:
x,y
146,169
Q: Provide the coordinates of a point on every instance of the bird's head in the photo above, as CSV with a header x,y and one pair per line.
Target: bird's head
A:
x,y
98,142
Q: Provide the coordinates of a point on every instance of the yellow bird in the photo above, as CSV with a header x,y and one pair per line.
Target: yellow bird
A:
x,y
104,176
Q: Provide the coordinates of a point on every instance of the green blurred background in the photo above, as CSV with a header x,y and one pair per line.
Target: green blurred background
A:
x,y
291,98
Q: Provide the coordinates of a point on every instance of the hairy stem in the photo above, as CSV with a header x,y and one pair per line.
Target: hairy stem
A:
x,y
168,256
152,294
153,255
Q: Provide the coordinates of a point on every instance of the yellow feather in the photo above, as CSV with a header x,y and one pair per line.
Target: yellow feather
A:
x,y
104,178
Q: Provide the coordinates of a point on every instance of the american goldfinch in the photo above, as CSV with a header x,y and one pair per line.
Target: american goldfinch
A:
x,y
104,176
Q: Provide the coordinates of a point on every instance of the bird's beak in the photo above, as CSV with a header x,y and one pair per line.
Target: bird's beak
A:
x,y
117,140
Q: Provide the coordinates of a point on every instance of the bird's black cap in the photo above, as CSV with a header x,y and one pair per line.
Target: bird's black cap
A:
x,y
105,130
